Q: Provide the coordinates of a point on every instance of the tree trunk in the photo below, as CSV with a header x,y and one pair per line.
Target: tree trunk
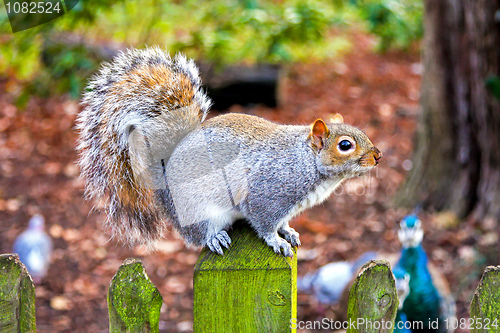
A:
x,y
456,164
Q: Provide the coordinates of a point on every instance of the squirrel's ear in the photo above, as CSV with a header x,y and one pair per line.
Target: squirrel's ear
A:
x,y
336,118
319,133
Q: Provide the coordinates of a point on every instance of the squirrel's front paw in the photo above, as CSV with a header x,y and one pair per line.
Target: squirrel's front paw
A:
x,y
279,244
290,235
221,238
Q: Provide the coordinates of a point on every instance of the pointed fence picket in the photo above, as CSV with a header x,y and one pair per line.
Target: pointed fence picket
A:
x,y
17,296
134,302
485,305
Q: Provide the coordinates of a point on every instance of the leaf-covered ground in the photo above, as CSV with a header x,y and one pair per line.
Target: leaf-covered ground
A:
x,y
378,93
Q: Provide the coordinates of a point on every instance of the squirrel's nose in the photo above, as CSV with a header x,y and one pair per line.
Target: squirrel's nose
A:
x,y
377,155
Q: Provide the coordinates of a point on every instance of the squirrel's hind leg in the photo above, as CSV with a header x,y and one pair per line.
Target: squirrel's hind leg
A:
x,y
203,234
206,233
221,238
210,232
216,235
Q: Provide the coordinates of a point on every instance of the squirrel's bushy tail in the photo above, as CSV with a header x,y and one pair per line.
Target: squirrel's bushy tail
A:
x,y
136,109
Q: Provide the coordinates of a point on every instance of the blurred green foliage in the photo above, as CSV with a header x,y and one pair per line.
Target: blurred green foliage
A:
x,y
58,56
398,23
47,67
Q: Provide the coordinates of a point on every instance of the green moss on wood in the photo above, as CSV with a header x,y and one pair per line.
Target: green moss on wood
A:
x,y
485,304
17,296
373,298
133,301
248,289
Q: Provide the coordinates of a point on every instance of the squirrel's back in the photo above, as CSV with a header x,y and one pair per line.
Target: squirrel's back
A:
x,y
136,109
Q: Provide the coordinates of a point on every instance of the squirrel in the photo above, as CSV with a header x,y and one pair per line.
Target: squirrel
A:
x,y
146,149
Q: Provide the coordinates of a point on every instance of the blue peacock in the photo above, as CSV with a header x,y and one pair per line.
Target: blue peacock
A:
x,y
429,300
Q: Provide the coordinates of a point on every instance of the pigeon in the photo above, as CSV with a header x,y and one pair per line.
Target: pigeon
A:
x,y
34,248
328,282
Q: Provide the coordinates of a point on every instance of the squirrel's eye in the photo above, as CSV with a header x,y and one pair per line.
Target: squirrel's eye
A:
x,y
345,145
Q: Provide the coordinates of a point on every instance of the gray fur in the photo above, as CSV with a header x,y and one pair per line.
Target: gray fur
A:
x,y
204,175
272,177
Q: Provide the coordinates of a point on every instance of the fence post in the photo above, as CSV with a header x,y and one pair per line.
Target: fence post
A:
x,y
485,305
17,296
373,300
133,301
248,289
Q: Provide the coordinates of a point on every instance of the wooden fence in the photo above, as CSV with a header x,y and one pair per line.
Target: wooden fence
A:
x,y
249,289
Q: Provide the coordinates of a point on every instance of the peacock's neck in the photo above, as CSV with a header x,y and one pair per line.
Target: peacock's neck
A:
x,y
414,259
422,302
